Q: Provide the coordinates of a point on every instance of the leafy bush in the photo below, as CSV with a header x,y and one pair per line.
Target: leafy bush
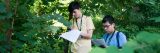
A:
x,y
33,26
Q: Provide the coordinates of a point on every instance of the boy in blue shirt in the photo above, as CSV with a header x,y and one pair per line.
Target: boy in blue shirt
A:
x,y
112,37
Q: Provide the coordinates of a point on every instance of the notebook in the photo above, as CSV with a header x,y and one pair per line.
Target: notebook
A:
x,y
99,42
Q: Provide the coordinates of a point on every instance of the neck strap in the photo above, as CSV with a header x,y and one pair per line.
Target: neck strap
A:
x,y
80,23
110,37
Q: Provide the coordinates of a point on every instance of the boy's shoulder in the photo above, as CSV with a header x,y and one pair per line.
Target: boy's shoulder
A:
x,y
86,16
119,32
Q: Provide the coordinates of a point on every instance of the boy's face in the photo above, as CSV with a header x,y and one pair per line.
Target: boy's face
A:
x,y
76,13
109,28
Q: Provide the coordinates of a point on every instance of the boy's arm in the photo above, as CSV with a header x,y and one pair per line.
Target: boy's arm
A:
x,y
90,29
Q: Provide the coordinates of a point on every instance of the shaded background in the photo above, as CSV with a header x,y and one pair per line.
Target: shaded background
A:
x,y
34,26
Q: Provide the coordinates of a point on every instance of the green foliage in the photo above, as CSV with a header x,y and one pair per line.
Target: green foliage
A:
x,y
34,31
157,19
145,42
37,24
3,13
131,16
98,49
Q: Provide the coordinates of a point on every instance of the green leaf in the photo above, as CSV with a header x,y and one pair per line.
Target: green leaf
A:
x,y
156,19
129,47
112,49
2,8
21,36
148,37
98,49
2,37
61,19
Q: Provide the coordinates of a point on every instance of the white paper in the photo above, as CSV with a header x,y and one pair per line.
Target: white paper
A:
x,y
71,36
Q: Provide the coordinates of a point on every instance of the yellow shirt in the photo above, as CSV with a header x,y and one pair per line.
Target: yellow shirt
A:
x,y
83,45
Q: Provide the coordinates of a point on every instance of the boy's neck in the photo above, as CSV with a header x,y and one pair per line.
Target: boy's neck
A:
x,y
80,16
112,32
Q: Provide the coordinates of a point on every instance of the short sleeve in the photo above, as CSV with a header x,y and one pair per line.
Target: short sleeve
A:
x,y
89,23
122,39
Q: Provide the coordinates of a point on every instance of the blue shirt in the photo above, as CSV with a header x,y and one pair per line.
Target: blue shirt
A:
x,y
112,41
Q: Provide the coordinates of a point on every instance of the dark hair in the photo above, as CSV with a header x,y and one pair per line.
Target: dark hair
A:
x,y
72,6
108,18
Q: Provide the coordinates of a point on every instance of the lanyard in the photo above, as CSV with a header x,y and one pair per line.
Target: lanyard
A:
x,y
109,38
80,24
